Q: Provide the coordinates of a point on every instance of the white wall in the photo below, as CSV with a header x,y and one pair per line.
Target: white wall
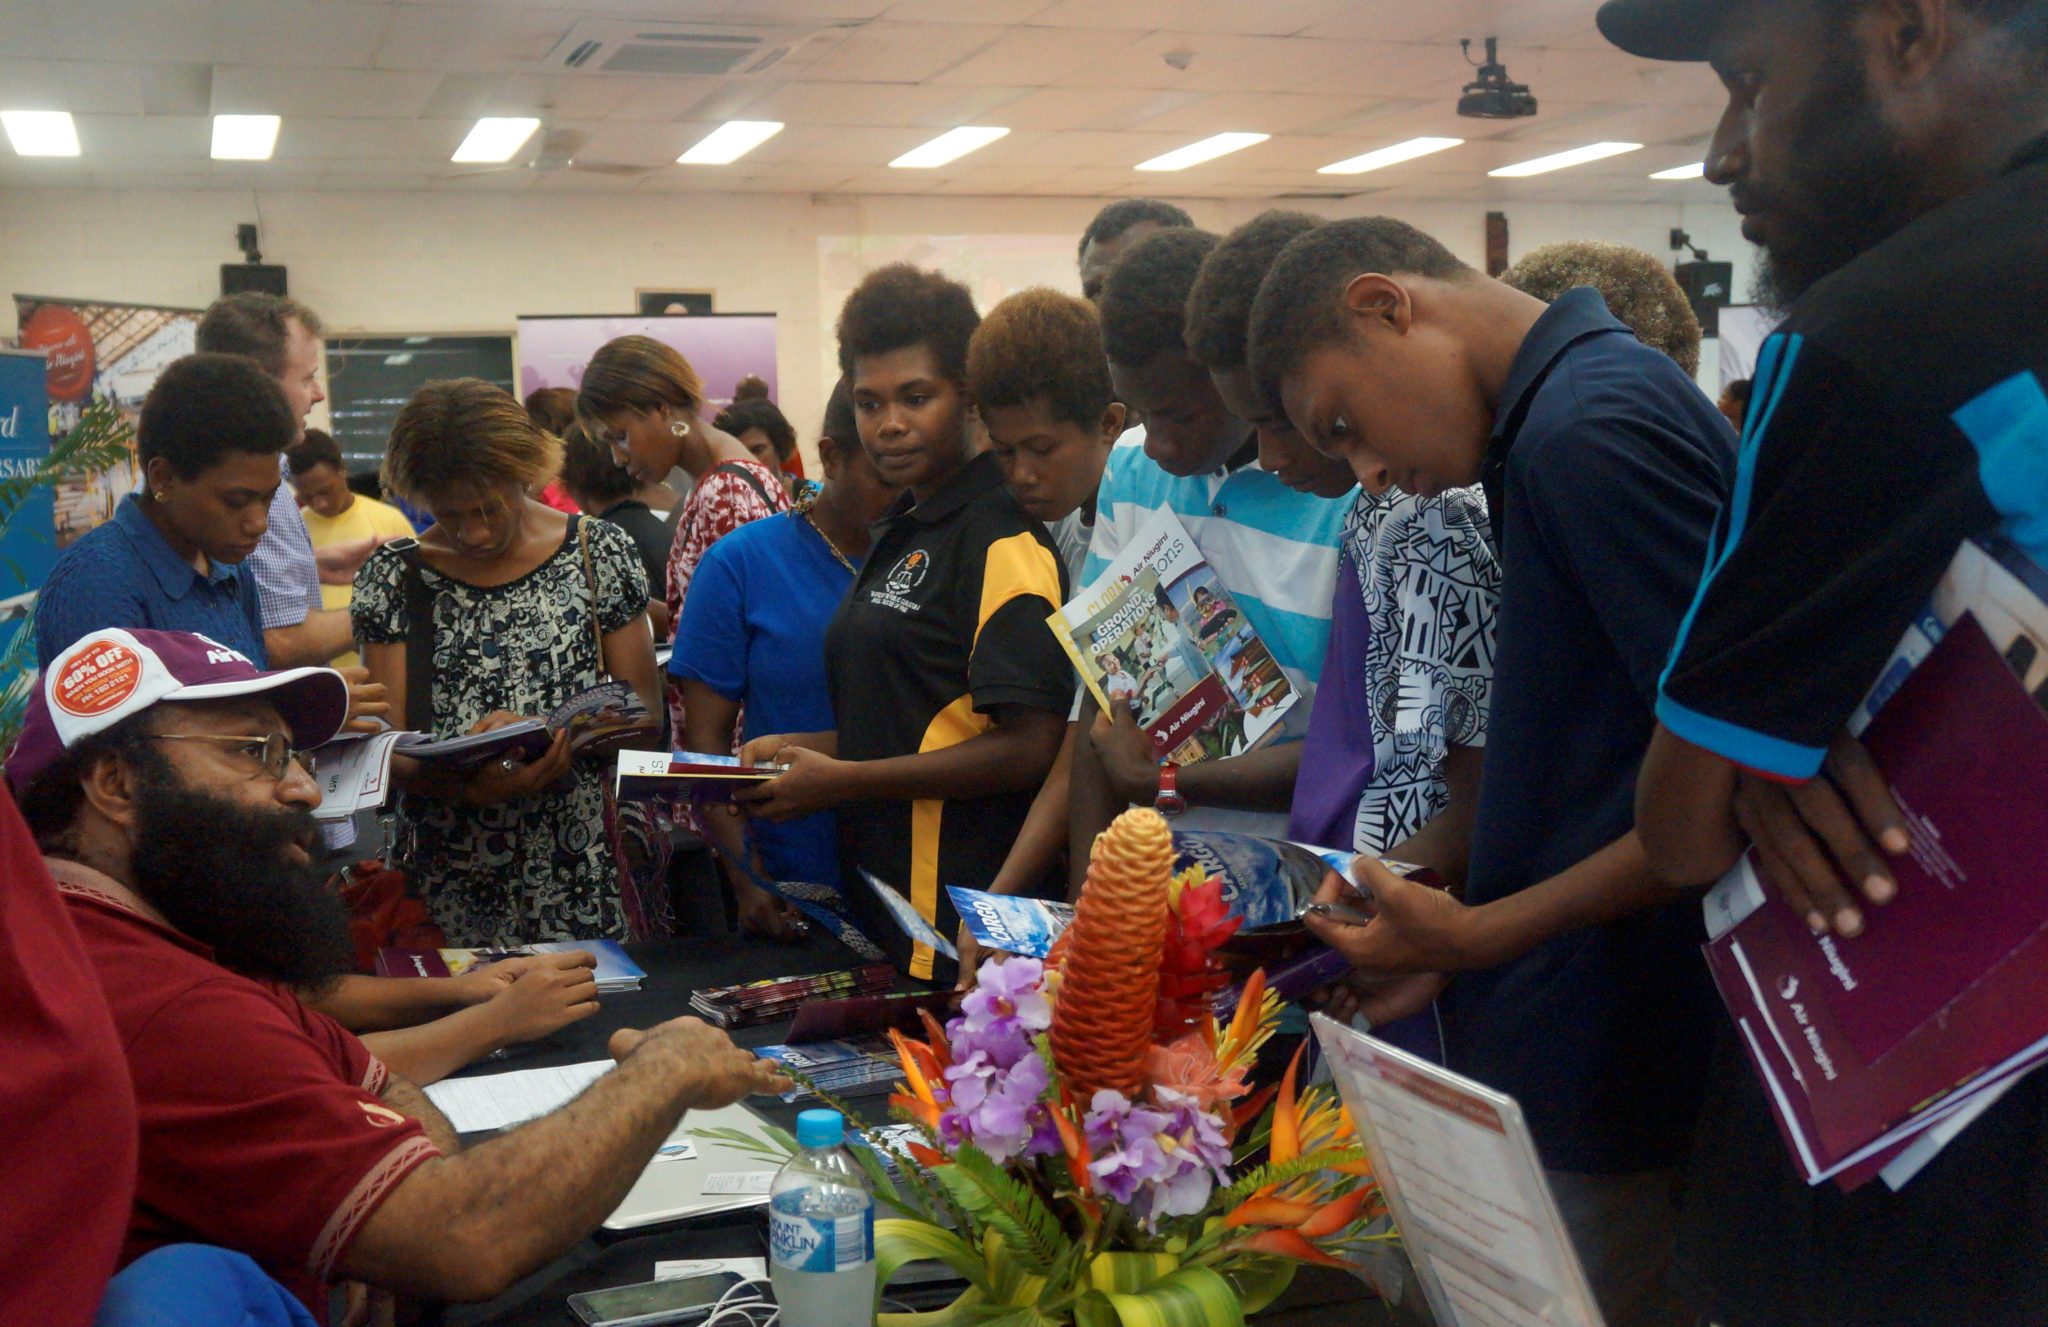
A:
x,y
441,262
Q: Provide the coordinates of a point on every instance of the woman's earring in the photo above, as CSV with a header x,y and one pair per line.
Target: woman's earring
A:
x,y
679,428
160,496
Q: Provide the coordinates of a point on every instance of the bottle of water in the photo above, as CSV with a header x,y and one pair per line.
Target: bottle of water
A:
x,y
821,1230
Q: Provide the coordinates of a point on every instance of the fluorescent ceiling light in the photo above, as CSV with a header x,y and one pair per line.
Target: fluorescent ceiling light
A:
x,y
399,360
1194,154
1389,156
1692,172
244,137
729,142
41,133
949,146
1578,156
496,138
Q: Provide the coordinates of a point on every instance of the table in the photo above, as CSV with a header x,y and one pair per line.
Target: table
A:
x,y
675,968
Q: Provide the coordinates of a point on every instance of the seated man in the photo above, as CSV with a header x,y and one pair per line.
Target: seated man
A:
x,y
158,772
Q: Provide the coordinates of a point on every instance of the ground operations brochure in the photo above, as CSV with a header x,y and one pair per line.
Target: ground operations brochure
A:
x,y
1158,631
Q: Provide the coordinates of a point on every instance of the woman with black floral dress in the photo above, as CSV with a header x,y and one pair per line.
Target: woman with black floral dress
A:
x,y
524,608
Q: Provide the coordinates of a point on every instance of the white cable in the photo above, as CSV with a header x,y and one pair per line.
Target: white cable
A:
x,y
730,1310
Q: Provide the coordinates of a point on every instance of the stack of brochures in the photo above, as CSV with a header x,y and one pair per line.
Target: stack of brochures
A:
x,y
842,1068
615,971
776,998
697,775
1876,1050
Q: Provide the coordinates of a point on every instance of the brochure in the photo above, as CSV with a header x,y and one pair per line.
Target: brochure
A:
x,y
775,998
842,1068
615,970
1863,1042
1159,632
698,775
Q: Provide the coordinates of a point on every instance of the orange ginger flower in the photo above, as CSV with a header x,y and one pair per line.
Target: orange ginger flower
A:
x,y
1109,988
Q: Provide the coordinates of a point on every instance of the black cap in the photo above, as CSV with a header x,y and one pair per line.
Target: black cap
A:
x,y
1663,29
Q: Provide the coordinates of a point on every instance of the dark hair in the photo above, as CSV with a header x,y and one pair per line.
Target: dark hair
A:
x,y
1299,307
316,448
1737,391
205,408
553,408
840,424
588,470
758,412
465,430
50,804
1125,213
899,306
753,387
1639,289
1220,304
636,373
1040,344
1144,302
255,325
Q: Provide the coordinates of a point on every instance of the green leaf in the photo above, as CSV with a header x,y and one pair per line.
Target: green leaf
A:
x,y
1259,1178
1093,1310
1260,1281
899,1242
1126,1273
1191,1297
777,1146
959,1313
1007,1206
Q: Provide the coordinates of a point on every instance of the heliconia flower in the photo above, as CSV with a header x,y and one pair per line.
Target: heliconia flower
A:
x,y
1188,1066
1109,990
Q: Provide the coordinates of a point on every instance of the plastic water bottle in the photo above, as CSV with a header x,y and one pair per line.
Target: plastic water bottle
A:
x,y
821,1230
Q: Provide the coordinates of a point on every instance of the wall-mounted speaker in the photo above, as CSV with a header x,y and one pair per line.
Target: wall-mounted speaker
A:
x,y
266,277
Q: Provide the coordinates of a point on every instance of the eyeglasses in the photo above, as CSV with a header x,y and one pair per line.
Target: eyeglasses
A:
x,y
273,752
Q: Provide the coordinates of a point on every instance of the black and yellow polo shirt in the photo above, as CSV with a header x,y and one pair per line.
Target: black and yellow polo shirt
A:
x,y
945,623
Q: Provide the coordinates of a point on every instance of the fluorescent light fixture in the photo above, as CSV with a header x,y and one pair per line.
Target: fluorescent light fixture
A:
x,y
1194,154
1389,156
949,146
1577,156
729,142
496,138
399,360
1695,171
244,137
41,133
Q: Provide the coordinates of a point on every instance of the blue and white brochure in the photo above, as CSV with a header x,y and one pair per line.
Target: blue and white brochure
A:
x,y
1022,926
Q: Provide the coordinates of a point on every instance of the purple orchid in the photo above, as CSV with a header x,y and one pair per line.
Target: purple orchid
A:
x,y
998,1108
1124,1139
1159,1163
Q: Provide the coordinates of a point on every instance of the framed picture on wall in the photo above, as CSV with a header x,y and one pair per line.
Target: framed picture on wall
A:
x,y
655,303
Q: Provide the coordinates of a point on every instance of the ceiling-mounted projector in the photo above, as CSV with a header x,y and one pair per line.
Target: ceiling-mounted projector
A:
x,y
1492,96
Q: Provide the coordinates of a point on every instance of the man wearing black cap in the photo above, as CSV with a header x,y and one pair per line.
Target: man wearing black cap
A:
x,y
1891,156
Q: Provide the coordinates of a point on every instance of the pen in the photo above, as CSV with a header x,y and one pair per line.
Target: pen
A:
x,y
1337,912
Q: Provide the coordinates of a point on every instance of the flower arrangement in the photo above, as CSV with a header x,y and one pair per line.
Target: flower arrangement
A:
x,y
1090,1139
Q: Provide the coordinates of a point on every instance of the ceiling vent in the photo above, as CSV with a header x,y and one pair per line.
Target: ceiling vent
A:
x,y
675,50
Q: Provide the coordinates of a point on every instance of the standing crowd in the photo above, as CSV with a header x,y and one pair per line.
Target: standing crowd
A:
x,y
1561,633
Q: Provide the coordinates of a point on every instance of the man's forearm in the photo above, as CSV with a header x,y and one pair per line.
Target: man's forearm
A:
x,y
507,1206
1006,758
1256,781
376,1004
313,643
1444,843
1044,831
432,1051
1685,810
405,1097
1613,883
1091,802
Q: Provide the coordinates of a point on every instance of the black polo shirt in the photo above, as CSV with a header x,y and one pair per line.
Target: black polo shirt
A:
x,y
1898,411
1605,471
945,623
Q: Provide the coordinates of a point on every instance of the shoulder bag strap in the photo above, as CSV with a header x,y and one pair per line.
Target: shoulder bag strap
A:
x,y
745,472
419,637
582,528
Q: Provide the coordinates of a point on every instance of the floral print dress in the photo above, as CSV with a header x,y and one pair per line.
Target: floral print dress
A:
x,y
539,868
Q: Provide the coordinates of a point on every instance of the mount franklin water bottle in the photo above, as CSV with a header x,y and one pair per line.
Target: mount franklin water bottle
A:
x,y
821,1230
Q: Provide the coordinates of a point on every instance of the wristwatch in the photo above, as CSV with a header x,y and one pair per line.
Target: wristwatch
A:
x,y
1168,801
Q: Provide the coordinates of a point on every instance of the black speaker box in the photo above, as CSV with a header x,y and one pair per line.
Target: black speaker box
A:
x,y
266,277
1706,285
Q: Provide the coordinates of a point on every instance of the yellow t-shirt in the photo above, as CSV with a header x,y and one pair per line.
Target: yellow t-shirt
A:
x,y
365,517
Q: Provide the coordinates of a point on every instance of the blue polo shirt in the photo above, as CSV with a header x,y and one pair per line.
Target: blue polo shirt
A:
x,y
1604,474
125,574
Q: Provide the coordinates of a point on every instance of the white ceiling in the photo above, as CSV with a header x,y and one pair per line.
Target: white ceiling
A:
x,y
376,95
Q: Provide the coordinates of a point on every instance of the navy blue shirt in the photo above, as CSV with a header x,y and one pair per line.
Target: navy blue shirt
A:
x,y
125,574
1605,471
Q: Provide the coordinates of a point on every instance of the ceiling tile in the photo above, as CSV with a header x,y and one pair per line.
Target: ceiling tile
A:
x,y
278,90
885,52
298,33
1031,57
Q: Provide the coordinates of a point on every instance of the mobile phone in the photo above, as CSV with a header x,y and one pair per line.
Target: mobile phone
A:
x,y
652,1302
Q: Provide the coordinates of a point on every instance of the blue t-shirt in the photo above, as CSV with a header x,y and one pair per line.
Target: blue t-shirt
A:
x,y
1605,472
124,574
753,630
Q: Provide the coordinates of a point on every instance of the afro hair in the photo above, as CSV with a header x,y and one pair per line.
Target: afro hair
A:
x,y
1040,344
1638,288
1125,213
1299,307
899,306
1220,305
1144,302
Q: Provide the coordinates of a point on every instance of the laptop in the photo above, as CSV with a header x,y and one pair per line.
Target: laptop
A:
x,y
674,1190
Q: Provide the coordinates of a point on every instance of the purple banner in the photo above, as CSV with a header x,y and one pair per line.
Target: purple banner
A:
x,y
723,348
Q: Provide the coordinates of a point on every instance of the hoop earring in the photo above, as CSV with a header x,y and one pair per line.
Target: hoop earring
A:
x,y
679,428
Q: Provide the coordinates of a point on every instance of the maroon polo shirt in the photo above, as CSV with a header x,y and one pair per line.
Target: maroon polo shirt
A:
x,y
261,1126
67,1150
